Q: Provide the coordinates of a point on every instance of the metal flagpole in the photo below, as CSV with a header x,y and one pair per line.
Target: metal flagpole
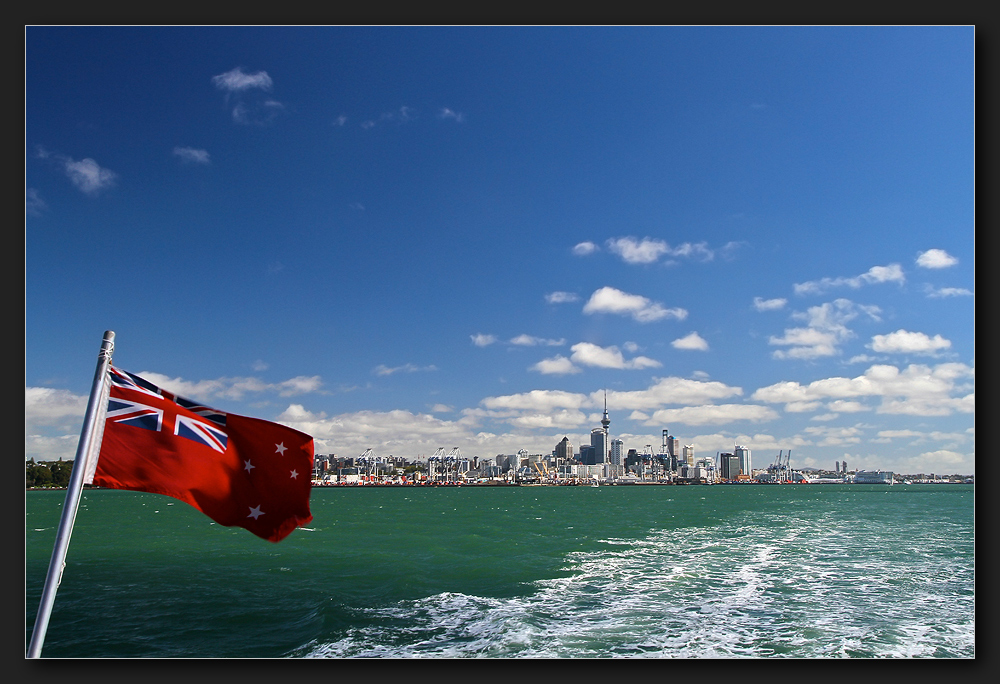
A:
x,y
86,451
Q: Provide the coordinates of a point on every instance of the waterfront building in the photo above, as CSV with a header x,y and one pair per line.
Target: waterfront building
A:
x,y
688,453
729,466
743,453
564,450
587,454
599,441
617,446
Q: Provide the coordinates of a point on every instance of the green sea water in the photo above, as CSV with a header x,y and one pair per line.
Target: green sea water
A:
x,y
855,571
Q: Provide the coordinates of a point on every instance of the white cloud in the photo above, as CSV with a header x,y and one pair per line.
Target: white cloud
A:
x,y
874,275
446,113
249,108
561,297
588,354
692,341
192,155
712,414
34,205
530,341
941,293
906,342
383,370
481,340
768,304
826,329
915,390
46,406
88,175
668,391
641,309
647,250
935,258
699,249
237,80
633,251
584,248
538,400
558,365
232,388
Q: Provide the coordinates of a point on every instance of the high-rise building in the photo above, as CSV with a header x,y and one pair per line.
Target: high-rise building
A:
x,y
617,447
599,440
729,466
564,449
743,453
688,453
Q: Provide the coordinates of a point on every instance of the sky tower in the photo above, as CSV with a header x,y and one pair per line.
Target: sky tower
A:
x,y
605,421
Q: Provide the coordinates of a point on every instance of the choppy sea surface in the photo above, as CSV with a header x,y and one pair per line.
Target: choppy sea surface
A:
x,y
739,571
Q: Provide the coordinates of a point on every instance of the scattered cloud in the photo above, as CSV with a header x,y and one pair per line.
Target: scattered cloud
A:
x,y
935,258
918,390
340,120
945,292
382,370
649,250
666,392
588,354
446,113
769,304
34,205
237,80
634,251
248,107
530,341
826,329
233,388
585,248
891,273
693,341
906,342
641,309
712,414
192,155
88,176
558,365
561,297
481,340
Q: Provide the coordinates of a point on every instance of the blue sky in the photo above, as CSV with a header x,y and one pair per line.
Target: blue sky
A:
x,y
411,238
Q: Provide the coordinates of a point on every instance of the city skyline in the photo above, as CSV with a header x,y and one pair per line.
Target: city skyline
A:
x,y
400,239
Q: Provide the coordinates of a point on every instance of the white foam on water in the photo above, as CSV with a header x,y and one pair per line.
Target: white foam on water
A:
x,y
775,588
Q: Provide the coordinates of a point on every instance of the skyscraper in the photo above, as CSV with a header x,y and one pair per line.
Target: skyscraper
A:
x,y
564,449
617,446
743,453
599,440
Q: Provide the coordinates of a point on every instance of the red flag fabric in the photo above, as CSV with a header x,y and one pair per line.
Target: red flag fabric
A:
x,y
239,471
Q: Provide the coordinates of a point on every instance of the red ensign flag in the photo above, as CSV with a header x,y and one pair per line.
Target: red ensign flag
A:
x,y
239,471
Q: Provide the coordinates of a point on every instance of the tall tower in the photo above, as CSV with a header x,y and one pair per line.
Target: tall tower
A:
x,y
605,455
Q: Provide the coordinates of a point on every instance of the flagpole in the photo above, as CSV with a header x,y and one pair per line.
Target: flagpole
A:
x,y
86,451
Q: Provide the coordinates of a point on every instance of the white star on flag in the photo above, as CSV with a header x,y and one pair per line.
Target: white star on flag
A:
x,y
248,466
295,474
255,513
281,449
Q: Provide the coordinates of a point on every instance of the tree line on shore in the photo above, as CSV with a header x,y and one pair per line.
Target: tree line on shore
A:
x,y
47,474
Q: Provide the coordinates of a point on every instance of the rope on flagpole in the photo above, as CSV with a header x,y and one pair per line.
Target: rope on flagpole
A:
x,y
86,453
